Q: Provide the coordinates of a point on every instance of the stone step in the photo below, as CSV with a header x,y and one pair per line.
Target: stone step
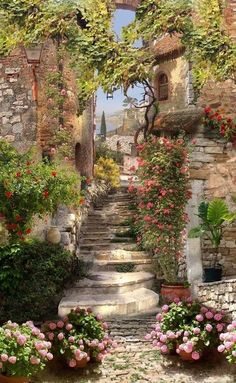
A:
x,y
108,246
106,282
113,305
145,264
123,255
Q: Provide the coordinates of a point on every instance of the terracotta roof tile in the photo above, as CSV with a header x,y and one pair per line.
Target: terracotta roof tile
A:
x,y
168,47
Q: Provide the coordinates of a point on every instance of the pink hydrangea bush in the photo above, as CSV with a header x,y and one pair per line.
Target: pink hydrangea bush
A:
x,y
82,335
187,327
24,351
228,342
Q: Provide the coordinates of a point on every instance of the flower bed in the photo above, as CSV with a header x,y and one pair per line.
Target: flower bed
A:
x,y
225,126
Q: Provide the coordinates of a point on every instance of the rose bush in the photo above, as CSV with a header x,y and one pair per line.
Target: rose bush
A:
x,y
228,342
187,327
81,335
29,188
225,126
23,349
161,197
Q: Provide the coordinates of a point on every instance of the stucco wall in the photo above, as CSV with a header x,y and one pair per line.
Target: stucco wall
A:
x,y
180,84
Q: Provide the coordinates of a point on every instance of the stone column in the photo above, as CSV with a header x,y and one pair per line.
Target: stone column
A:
x,y
193,246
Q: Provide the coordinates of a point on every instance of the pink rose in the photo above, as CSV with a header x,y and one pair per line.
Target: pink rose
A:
x,y
219,327
229,345
60,324
218,317
34,360
71,339
165,308
69,326
51,336
196,330
105,325
43,353
12,359
147,337
195,355
221,348
199,318
60,336
209,315
209,327
4,357
99,317
89,310
234,353
164,349
21,340
41,336
159,317
234,323
49,356
52,326
163,338
72,363
39,345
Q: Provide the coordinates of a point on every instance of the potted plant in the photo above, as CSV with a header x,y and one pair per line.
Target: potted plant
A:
x,y
215,218
187,328
79,338
23,352
162,195
228,342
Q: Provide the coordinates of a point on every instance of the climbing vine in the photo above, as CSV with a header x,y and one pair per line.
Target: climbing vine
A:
x,y
100,58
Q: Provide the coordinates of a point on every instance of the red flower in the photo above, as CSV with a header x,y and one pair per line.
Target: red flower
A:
x,y
28,163
46,193
54,174
29,172
28,231
88,181
82,201
19,233
8,194
219,118
207,110
18,174
18,218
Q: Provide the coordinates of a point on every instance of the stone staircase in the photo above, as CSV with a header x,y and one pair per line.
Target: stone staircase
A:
x,y
119,281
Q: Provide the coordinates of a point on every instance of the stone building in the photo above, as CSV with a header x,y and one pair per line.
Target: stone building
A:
x,y
29,115
213,161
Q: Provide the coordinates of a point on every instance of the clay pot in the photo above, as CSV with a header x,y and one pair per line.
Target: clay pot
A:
x,y
13,379
170,292
186,356
54,235
81,363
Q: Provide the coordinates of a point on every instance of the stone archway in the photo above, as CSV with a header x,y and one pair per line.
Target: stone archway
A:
x,y
127,4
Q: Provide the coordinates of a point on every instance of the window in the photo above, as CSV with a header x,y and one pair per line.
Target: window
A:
x,y
163,91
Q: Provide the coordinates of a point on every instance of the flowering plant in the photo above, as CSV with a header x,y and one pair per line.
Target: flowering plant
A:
x,y
187,327
28,188
79,336
161,197
107,169
225,126
23,349
228,342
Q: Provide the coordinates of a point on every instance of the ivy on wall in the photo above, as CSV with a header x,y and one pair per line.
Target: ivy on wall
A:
x,y
100,58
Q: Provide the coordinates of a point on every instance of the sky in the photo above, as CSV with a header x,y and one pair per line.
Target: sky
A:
x,y
121,18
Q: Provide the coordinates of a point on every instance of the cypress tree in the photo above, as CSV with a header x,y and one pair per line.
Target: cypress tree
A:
x,y
103,131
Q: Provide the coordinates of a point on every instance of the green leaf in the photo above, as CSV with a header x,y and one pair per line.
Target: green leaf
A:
x,y
202,210
216,212
196,232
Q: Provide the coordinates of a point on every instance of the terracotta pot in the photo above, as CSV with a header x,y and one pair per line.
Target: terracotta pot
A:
x,y
54,235
187,356
169,292
81,363
13,379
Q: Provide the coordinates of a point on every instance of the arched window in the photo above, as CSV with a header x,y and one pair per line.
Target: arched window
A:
x,y
163,87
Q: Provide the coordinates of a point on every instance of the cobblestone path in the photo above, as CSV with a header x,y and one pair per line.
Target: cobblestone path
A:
x,y
136,361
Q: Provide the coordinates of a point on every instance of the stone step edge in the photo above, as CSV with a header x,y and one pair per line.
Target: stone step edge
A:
x,y
110,299
92,283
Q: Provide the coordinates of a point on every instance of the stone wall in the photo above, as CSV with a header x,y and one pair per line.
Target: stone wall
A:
x,y
213,163
18,117
220,295
70,221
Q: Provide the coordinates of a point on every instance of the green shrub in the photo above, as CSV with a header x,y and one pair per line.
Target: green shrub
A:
x,y
126,267
32,278
102,150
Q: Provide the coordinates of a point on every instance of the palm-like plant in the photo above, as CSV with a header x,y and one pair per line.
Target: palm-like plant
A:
x,y
215,216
